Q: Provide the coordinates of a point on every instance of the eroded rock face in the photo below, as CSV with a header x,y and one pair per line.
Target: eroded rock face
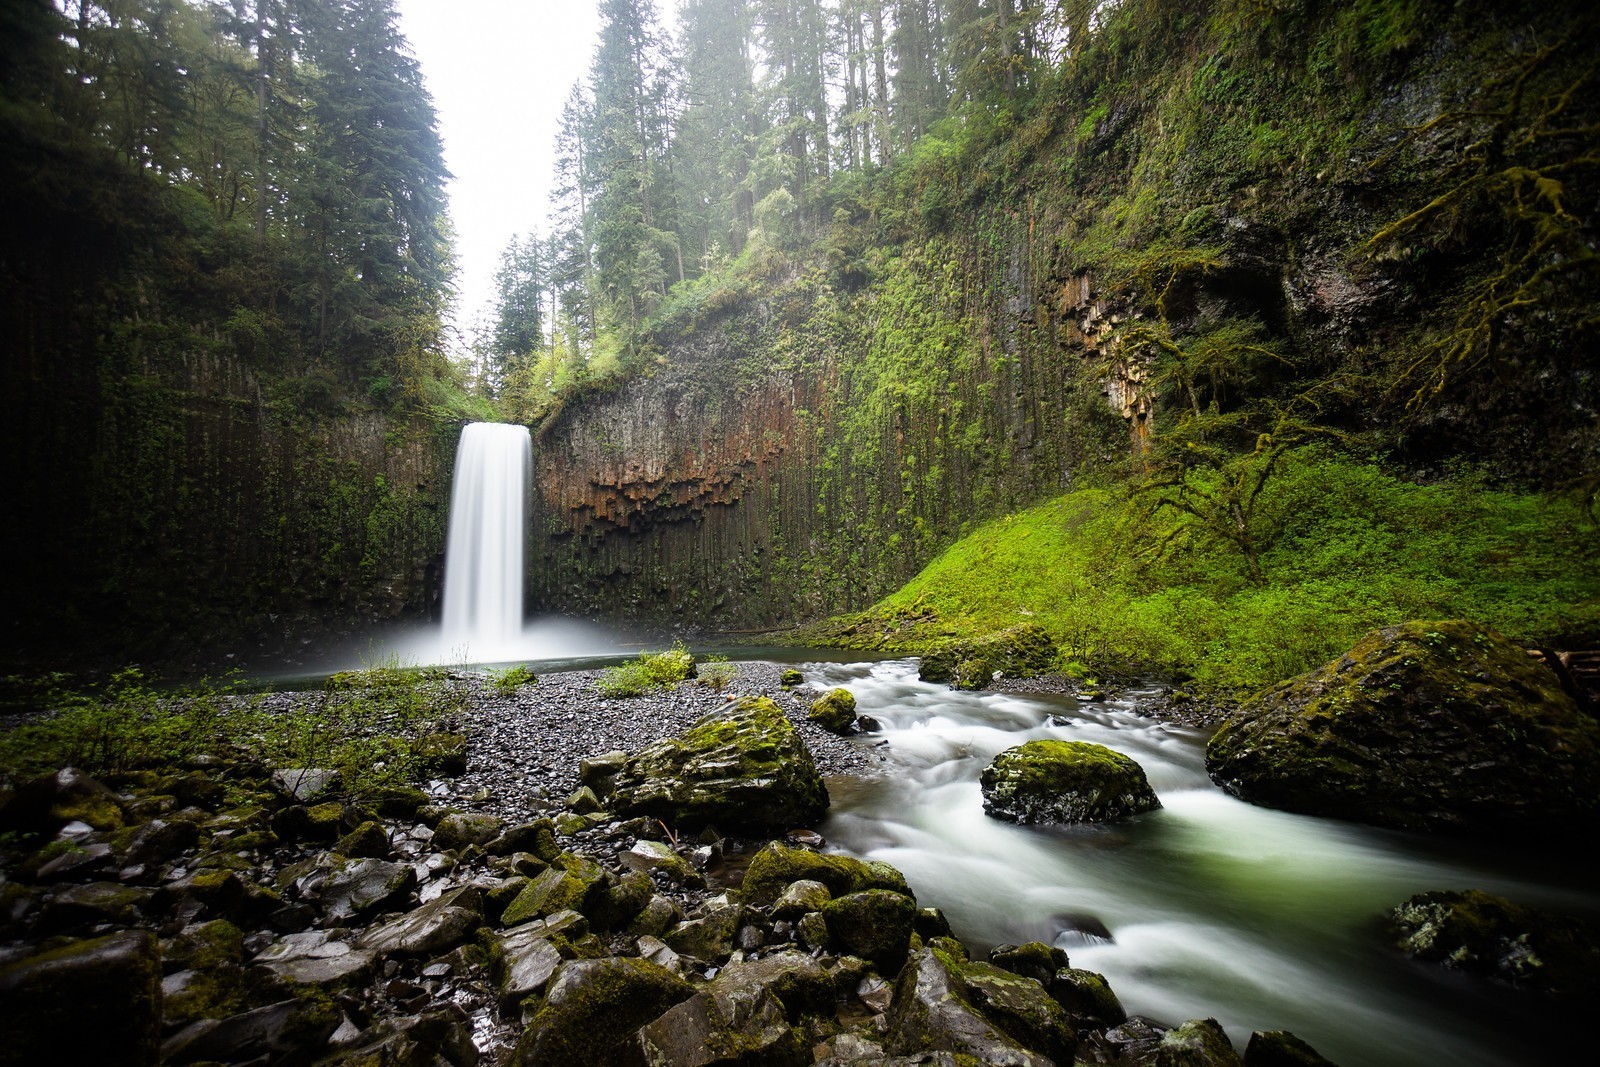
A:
x,y
1490,936
1050,781
742,766
1444,726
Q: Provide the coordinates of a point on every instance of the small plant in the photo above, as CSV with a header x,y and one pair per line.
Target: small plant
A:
x,y
716,673
508,681
650,671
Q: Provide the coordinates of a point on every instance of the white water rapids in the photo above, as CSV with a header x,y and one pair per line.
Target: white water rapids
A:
x,y
1262,919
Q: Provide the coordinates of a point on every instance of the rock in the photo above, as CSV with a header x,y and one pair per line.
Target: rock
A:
x,y
66,858
975,1010
552,891
1280,1048
400,802
321,823
875,924
523,965
1442,726
368,841
1197,1043
1035,960
740,766
1087,998
659,856
709,938
597,772
367,887
537,838
455,832
790,676
45,804
1490,936
931,923
88,905
441,754
583,801
835,712
594,1009
305,784
800,897
776,866
105,993
206,890
799,982
724,1026
1050,781
430,929
659,952
155,842
289,1028
1017,651
314,958
432,1039
659,915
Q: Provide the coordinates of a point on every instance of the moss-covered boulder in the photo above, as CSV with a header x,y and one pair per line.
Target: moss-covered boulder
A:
x,y
776,866
1280,1048
1016,651
49,802
459,829
1197,1043
943,1003
835,711
1490,936
874,924
594,1009
1050,781
742,766
1443,726
95,1001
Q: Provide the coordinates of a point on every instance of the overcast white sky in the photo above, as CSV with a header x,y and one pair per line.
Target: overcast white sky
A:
x,y
499,71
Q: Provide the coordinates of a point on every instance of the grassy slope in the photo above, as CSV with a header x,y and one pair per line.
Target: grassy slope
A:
x,y
1352,547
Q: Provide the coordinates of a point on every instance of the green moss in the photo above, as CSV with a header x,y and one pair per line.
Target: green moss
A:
x,y
585,1019
777,865
835,711
1064,781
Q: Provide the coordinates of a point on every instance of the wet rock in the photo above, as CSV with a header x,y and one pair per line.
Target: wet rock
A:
x,y
659,915
974,1009
835,711
1443,726
552,891
659,856
1197,1043
709,938
594,1009
367,887
741,766
931,923
1135,1040
1051,781
316,958
1280,1048
400,802
319,823
875,924
537,838
583,801
44,999
287,1028
776,866
205,891
442,754
1035,960
432,1039
1020,650
367,841
455,832
791,677
1087,998
87,905
431,929
622,901
1490,936
598,772
797,980
305,784
524,962
68,859
155,842
726,1025
45,804
799,897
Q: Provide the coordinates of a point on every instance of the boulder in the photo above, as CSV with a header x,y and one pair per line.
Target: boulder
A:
x,y
740,766
776,866
1051,781
1035,960
1087,998
367,841
366,887
443,754
49,802
710,937
594,1009
432,1039
525,962
431,929
1197,1043
742,1025
1490,936
1280,1048
456,831
874,924
304,784
290,1030
552,891
1441,726
1016,651
315,958
91,904
790,677
96,1001
976,1011
800,897
646,855
835,711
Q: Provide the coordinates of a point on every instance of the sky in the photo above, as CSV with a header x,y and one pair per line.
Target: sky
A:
x,y
499,71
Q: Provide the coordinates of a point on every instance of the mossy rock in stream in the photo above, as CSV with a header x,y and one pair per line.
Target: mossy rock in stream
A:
x,y
1441,726
778,866
743,766
1050,781
1016,651
1490,936
835,711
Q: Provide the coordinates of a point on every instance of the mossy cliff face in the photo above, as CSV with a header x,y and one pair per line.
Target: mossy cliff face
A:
x,y
1443,726
1185,224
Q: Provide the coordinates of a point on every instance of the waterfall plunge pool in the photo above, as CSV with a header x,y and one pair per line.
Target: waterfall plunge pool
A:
x,y
1262,919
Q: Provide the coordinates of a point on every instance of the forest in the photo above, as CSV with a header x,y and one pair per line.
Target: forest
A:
x,y
952,484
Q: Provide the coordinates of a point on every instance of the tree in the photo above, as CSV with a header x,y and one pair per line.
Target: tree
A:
x,y
518,330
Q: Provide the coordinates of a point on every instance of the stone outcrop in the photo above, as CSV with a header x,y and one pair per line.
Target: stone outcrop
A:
x,y
1443,726
1051,781
1487,935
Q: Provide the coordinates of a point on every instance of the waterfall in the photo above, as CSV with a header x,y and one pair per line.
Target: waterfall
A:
x,y
486,541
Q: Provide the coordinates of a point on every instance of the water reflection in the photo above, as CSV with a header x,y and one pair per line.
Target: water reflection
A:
x,y
1260,918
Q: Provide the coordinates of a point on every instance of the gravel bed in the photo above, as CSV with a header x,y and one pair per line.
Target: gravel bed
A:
x,y
523,749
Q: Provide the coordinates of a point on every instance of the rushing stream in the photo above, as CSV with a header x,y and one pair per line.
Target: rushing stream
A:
x,y
1207,907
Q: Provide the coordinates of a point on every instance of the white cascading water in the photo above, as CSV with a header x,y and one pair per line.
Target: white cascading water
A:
x,y
486,541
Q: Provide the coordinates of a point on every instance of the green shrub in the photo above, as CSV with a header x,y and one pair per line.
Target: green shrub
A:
x,y
649,672
511,679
